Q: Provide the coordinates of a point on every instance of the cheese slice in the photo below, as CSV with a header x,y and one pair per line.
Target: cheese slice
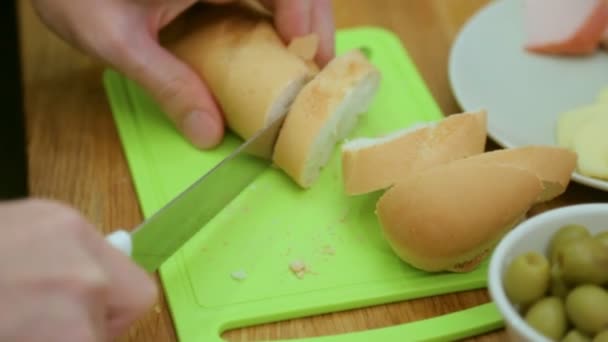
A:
x,y
603,95
591,145
569,122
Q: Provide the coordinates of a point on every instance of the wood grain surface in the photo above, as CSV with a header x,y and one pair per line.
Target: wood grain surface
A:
x,y
75,154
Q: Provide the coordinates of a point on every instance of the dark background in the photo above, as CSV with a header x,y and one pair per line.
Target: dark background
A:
x,y
13,161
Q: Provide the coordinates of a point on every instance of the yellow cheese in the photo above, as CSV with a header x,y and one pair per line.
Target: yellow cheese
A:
x,y
568,122
603,95
590,143
584,130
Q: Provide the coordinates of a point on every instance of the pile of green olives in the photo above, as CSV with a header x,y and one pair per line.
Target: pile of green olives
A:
x,y
563,293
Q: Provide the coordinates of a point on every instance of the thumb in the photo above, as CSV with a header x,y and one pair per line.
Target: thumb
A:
x,y
181,93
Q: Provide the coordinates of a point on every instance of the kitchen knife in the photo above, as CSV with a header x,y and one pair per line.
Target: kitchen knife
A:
x,y
158,237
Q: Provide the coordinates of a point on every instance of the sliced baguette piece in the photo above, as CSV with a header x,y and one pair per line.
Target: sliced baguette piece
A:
x,y
371,164
324,113
450,216
552,165
240,56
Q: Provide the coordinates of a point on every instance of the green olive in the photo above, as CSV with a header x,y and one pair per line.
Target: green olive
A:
x,y
527,278
566,233
582,261
601,337
602,237
576,336
558,286
548,317
587,308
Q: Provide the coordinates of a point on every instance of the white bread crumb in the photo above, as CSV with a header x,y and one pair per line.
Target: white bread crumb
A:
x,y
239,275
298,268
327,249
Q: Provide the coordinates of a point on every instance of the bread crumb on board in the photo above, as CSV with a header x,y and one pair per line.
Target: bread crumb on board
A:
x,y
239,275
298,267
328,249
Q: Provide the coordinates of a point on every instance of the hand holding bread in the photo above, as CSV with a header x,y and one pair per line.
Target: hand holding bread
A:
x,y
124,34
257,78
446,202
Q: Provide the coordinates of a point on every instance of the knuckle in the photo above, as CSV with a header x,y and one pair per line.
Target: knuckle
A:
x,y
171,91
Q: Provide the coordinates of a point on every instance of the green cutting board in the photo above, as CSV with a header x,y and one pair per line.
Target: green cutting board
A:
x,y
273,222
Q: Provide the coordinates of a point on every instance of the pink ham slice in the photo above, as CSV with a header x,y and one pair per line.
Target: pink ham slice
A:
x,y
569,27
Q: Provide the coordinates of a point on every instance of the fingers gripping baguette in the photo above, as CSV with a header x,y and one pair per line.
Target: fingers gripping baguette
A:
x,y
324,113
248,68
370,164
451,215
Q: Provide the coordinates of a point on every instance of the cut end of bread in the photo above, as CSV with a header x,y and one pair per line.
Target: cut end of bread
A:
x,y
371,164
324,113
285,98
444,219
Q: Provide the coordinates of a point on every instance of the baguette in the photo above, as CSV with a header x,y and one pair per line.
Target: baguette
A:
x,y
306,48
324,113
552,165
371,164
449,217
250,71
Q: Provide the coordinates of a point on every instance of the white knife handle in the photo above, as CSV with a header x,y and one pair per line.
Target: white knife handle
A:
x,y
121,239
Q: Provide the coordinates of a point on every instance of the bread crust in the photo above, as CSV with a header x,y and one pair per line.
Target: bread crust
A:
x,y
384,162
446,218
552,165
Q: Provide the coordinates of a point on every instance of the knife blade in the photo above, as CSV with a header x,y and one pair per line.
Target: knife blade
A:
x,y
162,234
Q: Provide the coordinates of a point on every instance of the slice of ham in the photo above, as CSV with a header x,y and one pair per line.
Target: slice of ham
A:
x,y
567,27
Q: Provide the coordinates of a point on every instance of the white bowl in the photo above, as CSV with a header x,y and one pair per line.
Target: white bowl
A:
x,y
534,235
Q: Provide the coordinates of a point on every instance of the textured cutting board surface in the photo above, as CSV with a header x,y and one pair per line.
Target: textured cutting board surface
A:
x,y
273,222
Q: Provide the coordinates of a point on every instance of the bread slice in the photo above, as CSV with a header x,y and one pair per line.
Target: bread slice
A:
x,y
371,164
250,71
552,165
324,113
449,217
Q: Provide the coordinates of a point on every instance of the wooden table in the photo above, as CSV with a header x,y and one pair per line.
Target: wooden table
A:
x,y
75,154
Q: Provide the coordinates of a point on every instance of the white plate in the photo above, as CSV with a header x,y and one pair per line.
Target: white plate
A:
x,y
523,92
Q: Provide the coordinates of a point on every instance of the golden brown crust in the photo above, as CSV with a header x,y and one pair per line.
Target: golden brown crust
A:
x,y
304,47
378,166
553,165
450,213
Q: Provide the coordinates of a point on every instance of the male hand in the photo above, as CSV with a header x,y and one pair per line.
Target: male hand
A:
x,y
123,34
61,280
